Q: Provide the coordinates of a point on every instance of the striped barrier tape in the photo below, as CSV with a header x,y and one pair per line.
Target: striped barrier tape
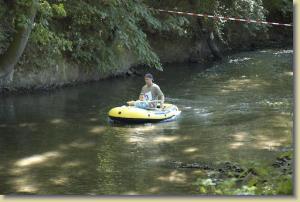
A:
x,y
224,18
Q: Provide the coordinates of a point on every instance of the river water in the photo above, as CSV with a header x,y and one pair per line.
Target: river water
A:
x,y
59,142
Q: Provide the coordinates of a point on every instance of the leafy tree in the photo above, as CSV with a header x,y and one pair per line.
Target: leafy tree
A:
x,y
24,15
96,33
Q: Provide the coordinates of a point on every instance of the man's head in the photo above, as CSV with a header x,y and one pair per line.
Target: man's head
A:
x,y
148,79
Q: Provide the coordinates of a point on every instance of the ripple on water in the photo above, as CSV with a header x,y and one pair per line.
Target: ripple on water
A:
x,y
239,60
277,53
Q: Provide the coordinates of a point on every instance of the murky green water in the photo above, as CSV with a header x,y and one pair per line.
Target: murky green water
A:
x,y
60,142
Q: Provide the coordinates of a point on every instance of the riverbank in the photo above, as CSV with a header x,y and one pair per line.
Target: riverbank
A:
x,y
250,178
68,75
70,45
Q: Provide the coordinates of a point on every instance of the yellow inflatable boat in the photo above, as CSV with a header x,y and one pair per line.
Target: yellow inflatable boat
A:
x,y
132,114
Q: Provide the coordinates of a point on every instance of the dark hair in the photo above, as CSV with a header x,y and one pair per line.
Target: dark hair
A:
x,y
148,75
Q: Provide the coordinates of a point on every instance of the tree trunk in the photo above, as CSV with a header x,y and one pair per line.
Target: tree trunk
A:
x,y
213,46
9,59
208,35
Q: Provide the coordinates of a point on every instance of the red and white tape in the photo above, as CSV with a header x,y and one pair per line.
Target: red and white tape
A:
x,y
225,18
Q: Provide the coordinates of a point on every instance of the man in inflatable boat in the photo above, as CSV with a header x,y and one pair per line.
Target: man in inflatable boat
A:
x,y
150,95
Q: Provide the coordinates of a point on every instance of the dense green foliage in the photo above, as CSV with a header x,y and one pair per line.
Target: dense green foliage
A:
x,y
96,33
252,9
280,9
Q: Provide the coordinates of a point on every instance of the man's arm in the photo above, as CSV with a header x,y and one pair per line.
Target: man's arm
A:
x,y
162,101
161,96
